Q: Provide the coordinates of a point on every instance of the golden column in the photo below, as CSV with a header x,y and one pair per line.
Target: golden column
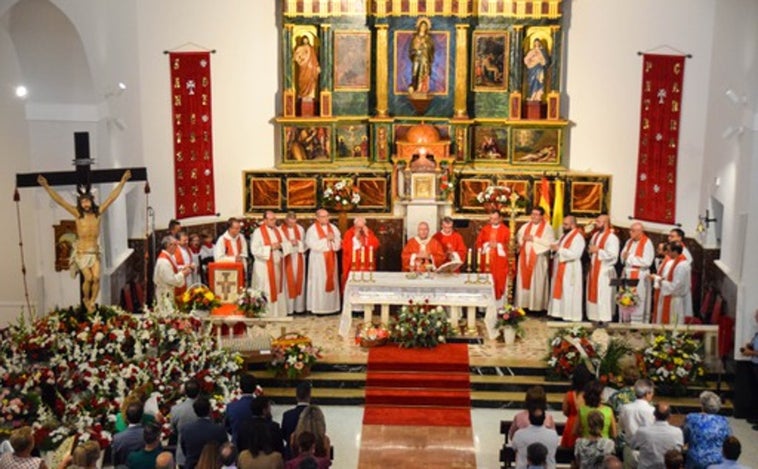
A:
x,y
382,71
461,71
510,289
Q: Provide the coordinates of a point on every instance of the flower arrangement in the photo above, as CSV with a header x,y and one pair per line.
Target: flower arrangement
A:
x,y
568,348
673,360
511,316
68,372
494,197
370,335
447,186
340,195
419,324
293,358
609,367
627,297
198,297
253,303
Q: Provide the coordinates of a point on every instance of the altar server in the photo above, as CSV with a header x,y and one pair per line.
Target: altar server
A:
x,y
359,249
534,240
294,264
638,255
604,252
324,240
231,246
422,251
492,243
266,245
566,295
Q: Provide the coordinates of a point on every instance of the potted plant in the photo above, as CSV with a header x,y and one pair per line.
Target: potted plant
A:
x,y
253,303
419,324
508,323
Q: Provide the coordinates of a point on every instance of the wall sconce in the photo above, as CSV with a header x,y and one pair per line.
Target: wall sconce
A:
x,y
704,222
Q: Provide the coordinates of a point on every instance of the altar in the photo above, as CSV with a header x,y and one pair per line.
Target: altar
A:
x,y
395,288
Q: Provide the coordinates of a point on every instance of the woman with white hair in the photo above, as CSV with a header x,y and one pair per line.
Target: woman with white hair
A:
x,y
705,432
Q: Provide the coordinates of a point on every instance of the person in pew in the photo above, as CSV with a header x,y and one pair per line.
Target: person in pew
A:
x,y
312,420
612,462
130,439
292,416
535,433
22,441
535,399
732,451
182,413
629,374
673,459
635,415
705,432
653,441
196,434
259,452
306,442
536,456
261,410
240,410
590,452
592,393
574,399
145,457
209,457
165,460
228,455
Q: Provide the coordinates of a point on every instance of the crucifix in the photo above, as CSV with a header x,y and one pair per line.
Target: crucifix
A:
x,y
86,255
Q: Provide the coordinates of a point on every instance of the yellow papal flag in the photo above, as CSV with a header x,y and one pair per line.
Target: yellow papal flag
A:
x,y
558,207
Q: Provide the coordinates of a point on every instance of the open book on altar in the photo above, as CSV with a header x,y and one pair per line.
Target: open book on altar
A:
x,y
449,267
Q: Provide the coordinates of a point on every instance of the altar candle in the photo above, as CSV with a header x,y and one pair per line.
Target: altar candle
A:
x,y
353,261
468,258
479,258
370,256
363,258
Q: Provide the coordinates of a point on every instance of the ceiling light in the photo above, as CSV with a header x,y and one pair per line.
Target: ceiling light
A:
x,y
21,91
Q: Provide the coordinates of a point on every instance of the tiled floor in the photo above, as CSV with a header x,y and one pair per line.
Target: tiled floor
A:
x,y
352,441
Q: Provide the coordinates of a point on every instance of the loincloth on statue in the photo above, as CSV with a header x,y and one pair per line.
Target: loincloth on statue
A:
x,y
82,260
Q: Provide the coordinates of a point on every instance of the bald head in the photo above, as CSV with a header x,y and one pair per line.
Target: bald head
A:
x,y
612,462
165,460
636,231
423,230
359,222
322,216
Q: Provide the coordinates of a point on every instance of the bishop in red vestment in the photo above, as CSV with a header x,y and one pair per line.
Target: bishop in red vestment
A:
x,y
422,250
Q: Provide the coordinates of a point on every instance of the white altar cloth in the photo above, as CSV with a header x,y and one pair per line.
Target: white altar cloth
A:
x,y
394,288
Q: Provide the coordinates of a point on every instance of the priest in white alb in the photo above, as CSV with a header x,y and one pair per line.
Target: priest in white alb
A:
x,y
638,255
604,252
323,288
183,258
293,267
673,297
266,245
167,276
566,295
231,246
534,240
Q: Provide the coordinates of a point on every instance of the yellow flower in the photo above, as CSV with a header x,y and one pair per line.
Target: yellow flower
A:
x,y
209,296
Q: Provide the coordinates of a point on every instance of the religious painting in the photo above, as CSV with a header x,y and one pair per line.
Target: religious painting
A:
x,y
489,70
65,240
586,197
301,193
411,65
226,280
373,192
352,141
491,143
536,146
307,144
469,189
352,60
265,193
520,187
537,191
422,186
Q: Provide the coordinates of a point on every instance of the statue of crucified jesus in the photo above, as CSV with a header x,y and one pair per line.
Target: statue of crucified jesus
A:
x,y
86,255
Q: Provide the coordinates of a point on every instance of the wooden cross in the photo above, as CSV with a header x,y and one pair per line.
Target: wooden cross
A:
x,y
225,285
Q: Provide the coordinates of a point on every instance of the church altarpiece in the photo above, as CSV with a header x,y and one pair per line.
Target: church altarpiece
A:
x,y
481,79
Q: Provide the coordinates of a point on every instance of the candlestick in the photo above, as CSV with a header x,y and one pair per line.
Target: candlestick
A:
x,y
479,258
468,258
354,256
363,258
370,256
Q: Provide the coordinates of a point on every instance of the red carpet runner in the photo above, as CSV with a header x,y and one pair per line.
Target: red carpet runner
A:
x,y
418,386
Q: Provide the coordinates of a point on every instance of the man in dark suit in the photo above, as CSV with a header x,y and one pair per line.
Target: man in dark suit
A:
x,y
195,435
290,417
182,414
239,410
261,409
130,439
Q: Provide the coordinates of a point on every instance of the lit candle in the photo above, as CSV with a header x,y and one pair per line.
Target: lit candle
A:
x,y
370,256
353,261
363,258
468,259
479,258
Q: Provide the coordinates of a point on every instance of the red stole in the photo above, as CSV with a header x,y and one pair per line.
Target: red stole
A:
x,y
272,284
329,257
178,260
526,265
294,285
639,252
594,277
167,256
666,313
558,289
228,246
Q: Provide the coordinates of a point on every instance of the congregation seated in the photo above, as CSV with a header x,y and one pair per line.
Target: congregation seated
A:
x,y
259,449
312,420
196,434
590,452
84,456
629,374
592,392
535,433
227,455
535,399
306,445
705,432
145,458
150,413
572,400
673,459
261,414
22,442
653,441
131,439
239,409
731,450
634,415
536,456
292,416
182,413
165,460
612,462
209,456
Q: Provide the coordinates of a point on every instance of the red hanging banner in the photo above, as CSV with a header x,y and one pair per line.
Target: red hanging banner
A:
x,y
662,79
193,137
